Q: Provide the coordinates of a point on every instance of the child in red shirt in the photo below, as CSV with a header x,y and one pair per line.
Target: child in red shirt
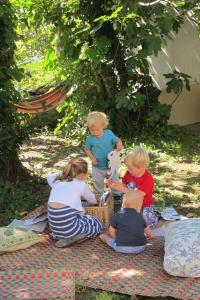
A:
x,y
137,177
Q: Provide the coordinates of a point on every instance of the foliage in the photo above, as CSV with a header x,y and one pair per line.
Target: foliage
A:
x,y
176,83
73,122
102,47
83,293
11,134
14,127
32,44
16,201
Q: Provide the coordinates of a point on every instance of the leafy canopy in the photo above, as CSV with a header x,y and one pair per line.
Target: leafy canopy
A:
x,y
103,47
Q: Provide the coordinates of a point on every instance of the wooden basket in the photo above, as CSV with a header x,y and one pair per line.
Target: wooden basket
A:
x,y
104,213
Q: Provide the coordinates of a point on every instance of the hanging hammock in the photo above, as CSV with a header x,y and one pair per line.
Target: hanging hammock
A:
x,y
43,103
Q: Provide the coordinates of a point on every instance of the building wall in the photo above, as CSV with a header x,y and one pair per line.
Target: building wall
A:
x,y
182,53
186,109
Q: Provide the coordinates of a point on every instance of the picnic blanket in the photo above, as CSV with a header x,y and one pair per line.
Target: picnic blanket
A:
x,y
97,266
37,284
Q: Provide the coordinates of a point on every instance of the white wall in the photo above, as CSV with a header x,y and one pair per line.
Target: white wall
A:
x,y
186,109
182,53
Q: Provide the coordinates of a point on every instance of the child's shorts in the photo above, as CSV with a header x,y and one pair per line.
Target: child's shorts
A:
x,y
126,249
150,216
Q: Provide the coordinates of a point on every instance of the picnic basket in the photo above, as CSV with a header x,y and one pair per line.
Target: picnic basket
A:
x,y
104,213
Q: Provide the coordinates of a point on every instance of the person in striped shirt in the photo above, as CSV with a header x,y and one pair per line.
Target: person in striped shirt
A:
x,y
67,219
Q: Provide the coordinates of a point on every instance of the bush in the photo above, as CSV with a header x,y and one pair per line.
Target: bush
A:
x,y
16,201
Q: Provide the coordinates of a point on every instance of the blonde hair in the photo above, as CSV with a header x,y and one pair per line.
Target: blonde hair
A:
x,y
97,117
72,169
133,199
138,157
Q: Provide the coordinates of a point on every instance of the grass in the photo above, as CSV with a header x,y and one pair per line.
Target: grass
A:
x,y
83,293
174,164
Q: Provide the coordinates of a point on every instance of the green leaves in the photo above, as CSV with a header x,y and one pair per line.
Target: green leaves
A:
x,y
177,82
11,133
152,45
97,52
126,98
159,116
89,53
73,122
180,3
103,47
1,11
50,59
113,16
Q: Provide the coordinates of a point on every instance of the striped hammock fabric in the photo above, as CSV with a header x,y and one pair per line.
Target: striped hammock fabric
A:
x,y
43,103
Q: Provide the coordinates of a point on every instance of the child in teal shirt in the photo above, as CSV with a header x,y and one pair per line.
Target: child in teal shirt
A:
x,y
99,143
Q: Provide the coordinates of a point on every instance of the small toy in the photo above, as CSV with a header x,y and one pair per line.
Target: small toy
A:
x,y
104,197
113,163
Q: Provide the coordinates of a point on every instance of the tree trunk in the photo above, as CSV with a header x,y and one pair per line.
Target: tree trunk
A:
x,y
11,132
13,170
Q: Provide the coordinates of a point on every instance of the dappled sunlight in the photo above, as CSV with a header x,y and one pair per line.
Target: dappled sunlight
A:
x,y
165,52
192,22
167,166
126,273
173,34
189,205
155,81
44,154
94,257
176,171
178,193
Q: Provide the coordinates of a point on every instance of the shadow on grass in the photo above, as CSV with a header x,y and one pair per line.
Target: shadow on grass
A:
x,y
23,198
182,146
50,152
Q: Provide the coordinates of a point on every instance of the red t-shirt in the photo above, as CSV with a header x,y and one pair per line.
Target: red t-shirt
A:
x,y
145,183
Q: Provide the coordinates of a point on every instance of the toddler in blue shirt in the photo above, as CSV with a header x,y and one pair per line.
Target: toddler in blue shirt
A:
x,y
99,143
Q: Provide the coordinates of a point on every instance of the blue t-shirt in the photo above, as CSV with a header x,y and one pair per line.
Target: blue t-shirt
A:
x,y
101,146
129,227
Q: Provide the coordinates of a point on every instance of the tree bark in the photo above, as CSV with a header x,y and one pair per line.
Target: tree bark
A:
x,y
11,132
12,170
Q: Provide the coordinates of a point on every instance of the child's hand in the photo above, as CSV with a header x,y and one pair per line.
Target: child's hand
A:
x,y
116,185
149,234
94,161
109,182
119,145
152,237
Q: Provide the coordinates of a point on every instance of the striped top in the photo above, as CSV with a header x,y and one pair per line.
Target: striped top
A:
x,y
67,222
64,222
